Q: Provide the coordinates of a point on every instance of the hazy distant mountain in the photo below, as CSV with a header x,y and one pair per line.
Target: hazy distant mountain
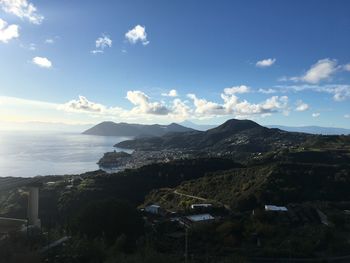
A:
x,y
198,127
232,136
313,129
134,130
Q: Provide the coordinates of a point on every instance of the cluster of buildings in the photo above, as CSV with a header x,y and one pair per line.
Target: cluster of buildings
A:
x,y
141,158
198,214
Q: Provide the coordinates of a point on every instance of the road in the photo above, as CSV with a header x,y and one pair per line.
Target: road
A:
x,y
190,196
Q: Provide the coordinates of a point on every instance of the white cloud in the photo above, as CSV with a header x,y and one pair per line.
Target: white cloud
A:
x,y
339,92
232,105
245,109
267,91
82,104
42,62
316,114
347,116
49,41
143,104
145,110
180,111
101,43
347,67
321,70
265,62
13,101
8,32
22,9
301,106
237,90
171,93
206,108
137,34
96,51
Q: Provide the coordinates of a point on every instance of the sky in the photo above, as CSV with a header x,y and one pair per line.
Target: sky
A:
x,y
82,62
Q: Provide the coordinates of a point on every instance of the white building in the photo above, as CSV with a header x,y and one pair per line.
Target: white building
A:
x,y
200,218
195,206
153,209
276,208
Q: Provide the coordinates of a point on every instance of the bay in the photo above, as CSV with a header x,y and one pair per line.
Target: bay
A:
x,y
28,154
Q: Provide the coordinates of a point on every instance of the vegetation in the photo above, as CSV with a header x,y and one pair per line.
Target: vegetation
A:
x,y
99,211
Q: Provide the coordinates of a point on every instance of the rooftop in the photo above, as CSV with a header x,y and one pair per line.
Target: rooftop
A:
x,y
201,217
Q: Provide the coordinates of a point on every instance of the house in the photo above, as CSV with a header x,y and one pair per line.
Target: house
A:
x,y
275,208
200,218
200,206
153,209
191,220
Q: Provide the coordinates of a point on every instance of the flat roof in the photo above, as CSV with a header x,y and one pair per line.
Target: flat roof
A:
x,y
201,217
275,208
154,206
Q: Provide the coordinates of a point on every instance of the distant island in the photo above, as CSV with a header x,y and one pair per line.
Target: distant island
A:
x,y
109,128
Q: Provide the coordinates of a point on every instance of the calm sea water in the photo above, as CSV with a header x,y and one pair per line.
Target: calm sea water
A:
x,y
28,154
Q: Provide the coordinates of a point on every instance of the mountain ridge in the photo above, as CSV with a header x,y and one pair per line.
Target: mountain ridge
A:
x,y
231,136
109,128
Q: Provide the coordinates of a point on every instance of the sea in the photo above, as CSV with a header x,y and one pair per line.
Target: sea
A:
x,y
28,154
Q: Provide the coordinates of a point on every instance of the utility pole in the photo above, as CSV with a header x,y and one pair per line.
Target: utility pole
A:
x,y
186,245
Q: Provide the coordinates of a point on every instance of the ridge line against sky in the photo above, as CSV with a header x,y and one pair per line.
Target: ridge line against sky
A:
x,y
135,63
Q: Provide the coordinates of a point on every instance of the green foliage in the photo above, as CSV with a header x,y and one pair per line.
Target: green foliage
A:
x,y
108,219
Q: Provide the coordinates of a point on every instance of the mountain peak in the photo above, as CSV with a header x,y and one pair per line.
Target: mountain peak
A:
x,y
234,125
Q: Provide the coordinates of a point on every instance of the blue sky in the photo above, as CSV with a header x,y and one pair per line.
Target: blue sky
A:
x,y
78,62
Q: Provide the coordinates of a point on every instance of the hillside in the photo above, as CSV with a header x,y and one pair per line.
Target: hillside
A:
x,y
134,130
313,129
232,136
292,177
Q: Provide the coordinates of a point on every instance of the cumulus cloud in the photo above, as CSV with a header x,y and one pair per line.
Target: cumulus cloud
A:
x,y
22,9
301,106
177,109
321,70
8,32
206,108
265,62
101,43
244,108
232,105
137,34
82,104
42,62
143,104
171,93
315,114
237,90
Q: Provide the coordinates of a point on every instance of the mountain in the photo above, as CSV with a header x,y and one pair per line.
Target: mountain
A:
x,y
313,129
134,130
232,136
198,127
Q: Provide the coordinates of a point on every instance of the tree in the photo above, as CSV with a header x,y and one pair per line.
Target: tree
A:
x,y
108,219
